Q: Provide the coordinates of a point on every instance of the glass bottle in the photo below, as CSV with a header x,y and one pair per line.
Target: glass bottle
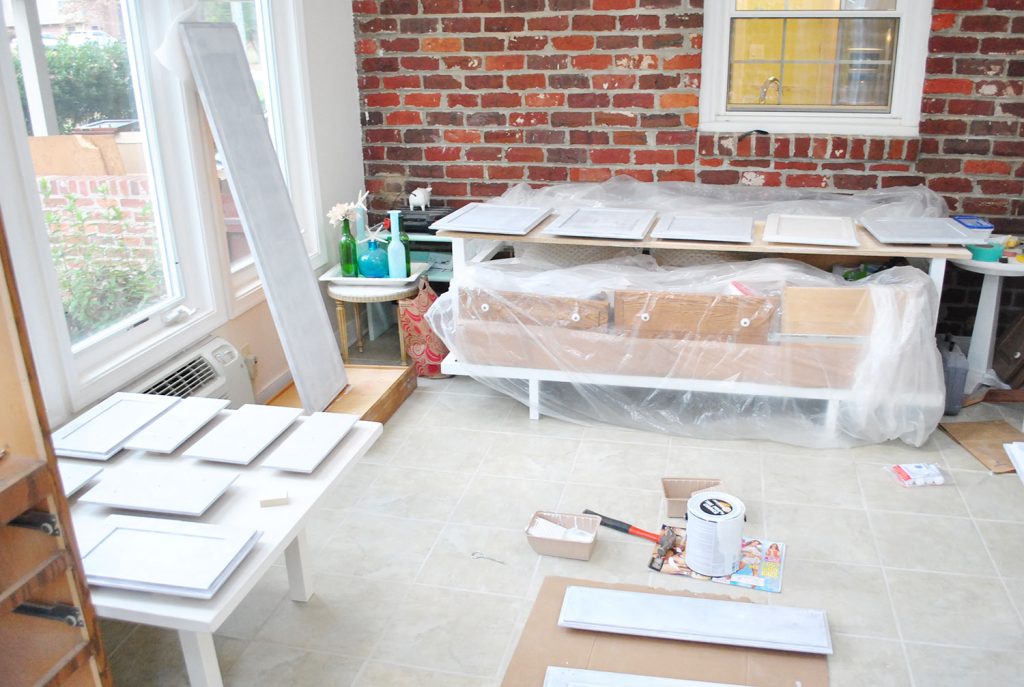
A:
x,y
347,251
374,262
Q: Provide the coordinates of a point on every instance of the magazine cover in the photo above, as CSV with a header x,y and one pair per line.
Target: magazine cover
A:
x,y
760,569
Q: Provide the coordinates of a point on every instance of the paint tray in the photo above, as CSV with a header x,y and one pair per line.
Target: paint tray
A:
x,y
563,548
678,491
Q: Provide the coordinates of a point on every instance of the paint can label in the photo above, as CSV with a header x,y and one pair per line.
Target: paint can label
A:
x,y
719,507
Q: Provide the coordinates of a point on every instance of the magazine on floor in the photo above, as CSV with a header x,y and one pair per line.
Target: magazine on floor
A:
x,y
761,567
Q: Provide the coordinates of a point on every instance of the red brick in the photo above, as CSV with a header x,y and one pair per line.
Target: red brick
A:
x,y
366,47
980,67
724,177
522,82
461,136
591,61
571,156
957,146
654,157
423,99
559,23
629,138
441,44
383,100
986,206
644,175
663,41
442,154
504,136
639,22
941,22
641,100
465,171
606,82
373,152
590,138
483,44
481,6
462,62
572,119
615,119
521,6
944,127
566,81
547,62
403,117
985,23
504,24
463,100
976,107
505,172
426,64
577,42
606,5
489,100
939,165
445,189
1001,187
484,81
380,64
461,24
441,6
677,175
545,99
686,157
483,154
487,190
676,101
609,156
407,153
590,174
527,42
399,7
559,173
683,62
959,5
1002,46
953,44
588,101
364,7
854,182
528,118
889,167
399,82
593,22
383,136
504,62
986,167
444,82
711,162
524,155
550,137
951,185
806,181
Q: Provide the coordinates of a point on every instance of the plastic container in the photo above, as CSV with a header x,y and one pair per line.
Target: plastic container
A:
x,y
979,227
678,491
564,548
986,252
954,371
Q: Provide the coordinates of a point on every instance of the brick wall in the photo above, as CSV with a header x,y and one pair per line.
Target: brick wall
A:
x,y
473,96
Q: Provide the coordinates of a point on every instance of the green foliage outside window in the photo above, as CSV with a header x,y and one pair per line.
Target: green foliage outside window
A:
x,y
90,82
102,279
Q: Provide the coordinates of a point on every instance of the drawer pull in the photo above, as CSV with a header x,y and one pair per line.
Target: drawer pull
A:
x,y
745,322
645,317
575,317
485,307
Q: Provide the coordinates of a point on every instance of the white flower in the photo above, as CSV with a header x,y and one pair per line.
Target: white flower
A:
x,y
342,211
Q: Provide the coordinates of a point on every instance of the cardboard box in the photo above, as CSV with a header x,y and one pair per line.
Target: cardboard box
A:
x,y
543,643
578,550
678,491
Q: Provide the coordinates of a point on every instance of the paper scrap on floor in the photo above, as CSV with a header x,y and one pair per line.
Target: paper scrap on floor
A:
x,y
761,568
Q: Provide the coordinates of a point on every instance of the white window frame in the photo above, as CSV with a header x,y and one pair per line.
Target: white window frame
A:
x,y
908,77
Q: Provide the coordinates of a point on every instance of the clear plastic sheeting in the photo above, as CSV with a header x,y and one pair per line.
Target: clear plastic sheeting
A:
x,y
762,349
746,201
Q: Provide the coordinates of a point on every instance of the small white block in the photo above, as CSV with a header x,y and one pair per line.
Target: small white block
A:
x,y
269,499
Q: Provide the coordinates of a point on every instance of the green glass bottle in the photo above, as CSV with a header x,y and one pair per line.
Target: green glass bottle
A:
x,y
404,238
347,251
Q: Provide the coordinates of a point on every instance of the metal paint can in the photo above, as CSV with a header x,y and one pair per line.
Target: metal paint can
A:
x,y
714,533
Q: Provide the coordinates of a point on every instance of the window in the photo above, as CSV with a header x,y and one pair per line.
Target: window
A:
x,y
112,204
814,66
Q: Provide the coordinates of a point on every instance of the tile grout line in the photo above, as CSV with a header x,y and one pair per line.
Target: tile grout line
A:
x,y
888,588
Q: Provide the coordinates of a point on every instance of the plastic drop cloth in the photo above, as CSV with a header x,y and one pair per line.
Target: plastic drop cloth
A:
x,y
763,349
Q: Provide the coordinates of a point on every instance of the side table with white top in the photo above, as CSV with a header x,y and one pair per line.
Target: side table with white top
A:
x,y
282,527
371,293
983,337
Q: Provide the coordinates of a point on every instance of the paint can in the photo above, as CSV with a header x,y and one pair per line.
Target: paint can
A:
x,y
714,533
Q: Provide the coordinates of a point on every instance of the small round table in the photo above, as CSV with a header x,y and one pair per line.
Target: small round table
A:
x,y
371,293
983,337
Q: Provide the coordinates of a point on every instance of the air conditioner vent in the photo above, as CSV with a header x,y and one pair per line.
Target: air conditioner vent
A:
x,y
185,380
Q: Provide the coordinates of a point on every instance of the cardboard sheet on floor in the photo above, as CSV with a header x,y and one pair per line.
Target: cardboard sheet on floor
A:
x,y
984,441
543,643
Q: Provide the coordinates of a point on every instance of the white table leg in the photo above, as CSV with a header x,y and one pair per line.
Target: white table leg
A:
x,y
534,387
300,575
200,659
937,271
983,338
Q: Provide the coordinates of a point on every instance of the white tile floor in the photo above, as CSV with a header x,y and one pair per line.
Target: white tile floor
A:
x,y
424,576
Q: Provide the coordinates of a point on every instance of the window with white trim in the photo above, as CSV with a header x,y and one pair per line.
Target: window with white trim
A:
x,y
144,204
814,66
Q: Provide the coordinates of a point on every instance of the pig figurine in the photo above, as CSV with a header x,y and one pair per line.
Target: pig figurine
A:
x,y
420,198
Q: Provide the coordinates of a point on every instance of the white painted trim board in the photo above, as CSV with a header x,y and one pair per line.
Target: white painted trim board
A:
x,y
244,434
578,677
312,441
169,431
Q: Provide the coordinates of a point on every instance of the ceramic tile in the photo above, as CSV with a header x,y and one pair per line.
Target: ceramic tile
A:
x,y
531,457
407,492
151,657
263,664
347,491
505,502
625,436
862,661
454,631
940,666
882,492
113,632
896,451
456,450
930,542
636,466
519,423
974,612
740,472
345,616
1005,542
635,506
612,561
379,674
790,479
257,606
957,457
467,411
825,534
482,559
377,546
468,385
689,584
860,607
992,497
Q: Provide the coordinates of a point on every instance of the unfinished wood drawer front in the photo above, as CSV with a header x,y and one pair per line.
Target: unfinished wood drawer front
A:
x,y
530,309
826,311
694,316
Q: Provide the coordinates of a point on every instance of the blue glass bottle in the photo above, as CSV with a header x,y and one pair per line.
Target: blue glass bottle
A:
x,y
374,262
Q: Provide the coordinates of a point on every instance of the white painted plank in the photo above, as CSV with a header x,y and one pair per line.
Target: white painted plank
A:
x,y
173,428
735,623
101,431
311,442
815,230
74,476
244,435
578,677
173,488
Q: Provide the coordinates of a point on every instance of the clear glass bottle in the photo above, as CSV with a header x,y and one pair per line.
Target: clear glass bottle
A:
x,y
347,251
